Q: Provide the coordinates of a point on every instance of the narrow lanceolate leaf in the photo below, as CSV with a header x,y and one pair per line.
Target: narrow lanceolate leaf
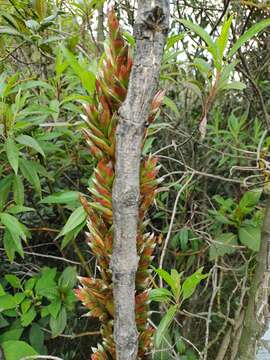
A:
x,y
12,244
13,225
10,31
165,324
17,209
161,295
30,173
30,142
87,78
76,218
222,40
12,154
255,29
63,197
235,85
18,190
212,48
172,105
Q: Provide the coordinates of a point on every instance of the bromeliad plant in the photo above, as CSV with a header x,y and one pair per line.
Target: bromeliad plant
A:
x,y
97,293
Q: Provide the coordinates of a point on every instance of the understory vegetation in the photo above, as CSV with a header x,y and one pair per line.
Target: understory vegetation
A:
x,y
202,284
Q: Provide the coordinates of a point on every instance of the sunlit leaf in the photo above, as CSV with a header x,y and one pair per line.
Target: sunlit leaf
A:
x,y
255,29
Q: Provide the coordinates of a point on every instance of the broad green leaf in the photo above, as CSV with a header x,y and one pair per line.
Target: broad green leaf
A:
x,y
7,302
30,142
63,197
68,278
165,324
250,199
250,33
55,307
160,295
12,154
76,218
36,337
11,334
19,297
250,236
14,281
25,305
87,78
2,291
177,287
223,244
58,325
46,285
16,350
165,276
28,317
18,190
30,173
190,284
29,285
212,48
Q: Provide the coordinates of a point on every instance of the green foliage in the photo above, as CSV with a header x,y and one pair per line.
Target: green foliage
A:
x,y
243,217
174,296
16,350
29,305
48,69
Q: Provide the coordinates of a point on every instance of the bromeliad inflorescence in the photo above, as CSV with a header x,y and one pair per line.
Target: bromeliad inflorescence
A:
x,y
97,293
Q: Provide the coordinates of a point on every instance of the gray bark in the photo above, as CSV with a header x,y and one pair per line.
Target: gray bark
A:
x,y
100,27
257,312
150,32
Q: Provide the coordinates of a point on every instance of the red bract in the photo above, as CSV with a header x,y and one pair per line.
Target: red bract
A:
x,y
101,122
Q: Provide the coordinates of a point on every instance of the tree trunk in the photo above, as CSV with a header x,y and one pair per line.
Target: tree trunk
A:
x,y
100,27
150,32
257,312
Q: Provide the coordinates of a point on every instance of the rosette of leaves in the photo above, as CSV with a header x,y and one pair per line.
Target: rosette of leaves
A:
x,y
97,293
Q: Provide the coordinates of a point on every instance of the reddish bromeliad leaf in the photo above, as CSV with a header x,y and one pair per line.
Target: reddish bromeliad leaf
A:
x,y
96,293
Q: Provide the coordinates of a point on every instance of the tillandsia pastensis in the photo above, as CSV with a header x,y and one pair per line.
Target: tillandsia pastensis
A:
x,y
97,293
